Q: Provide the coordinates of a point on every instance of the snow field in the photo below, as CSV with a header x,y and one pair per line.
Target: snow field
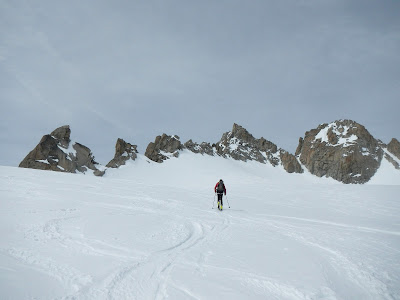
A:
x,y
148,231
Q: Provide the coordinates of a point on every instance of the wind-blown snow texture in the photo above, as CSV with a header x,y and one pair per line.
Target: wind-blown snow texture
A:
x,y
148,231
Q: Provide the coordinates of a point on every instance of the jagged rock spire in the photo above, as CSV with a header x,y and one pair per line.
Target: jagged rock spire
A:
x,y
123,152
56,152
164,147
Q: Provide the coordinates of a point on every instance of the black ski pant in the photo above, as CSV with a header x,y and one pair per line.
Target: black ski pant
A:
x,y
220,197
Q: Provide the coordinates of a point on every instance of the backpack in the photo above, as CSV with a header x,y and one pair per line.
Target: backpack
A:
x,y
221,187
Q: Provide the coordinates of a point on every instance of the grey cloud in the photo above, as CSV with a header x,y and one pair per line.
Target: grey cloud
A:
x,y
134,69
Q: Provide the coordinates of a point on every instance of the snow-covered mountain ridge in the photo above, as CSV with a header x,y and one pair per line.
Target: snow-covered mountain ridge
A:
x,y
343,150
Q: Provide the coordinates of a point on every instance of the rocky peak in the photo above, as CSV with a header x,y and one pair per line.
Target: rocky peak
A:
x,y
164,147
343,150
56,152
239,144
242,134
123,152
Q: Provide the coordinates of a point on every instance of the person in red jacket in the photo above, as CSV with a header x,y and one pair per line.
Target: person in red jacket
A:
x,y
220,189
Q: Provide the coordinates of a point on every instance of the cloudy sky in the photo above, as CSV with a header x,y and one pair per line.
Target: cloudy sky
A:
x,y
137,69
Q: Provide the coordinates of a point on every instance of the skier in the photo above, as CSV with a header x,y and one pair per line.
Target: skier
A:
x,y
220,189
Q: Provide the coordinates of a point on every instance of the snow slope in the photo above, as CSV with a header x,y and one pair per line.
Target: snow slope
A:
x,y
148,231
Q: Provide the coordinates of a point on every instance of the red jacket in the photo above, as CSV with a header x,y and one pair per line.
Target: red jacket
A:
x,y
216,186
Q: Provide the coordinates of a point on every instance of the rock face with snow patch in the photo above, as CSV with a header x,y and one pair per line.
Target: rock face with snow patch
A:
x,y
343,150
123,152
203,148
241,145
56,152
164,147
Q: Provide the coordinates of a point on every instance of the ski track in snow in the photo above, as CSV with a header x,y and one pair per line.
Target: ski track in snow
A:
x,y
69,276
340,263
117,238
150,277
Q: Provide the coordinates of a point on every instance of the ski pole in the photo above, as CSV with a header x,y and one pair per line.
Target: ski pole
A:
x,y
228,201
213,202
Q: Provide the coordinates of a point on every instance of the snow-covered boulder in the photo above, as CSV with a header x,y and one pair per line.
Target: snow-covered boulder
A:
x,y
57,152
123,152
343,150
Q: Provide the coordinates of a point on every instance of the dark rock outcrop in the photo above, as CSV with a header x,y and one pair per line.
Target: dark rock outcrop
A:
x,y
394,147
343,150
123,152
164,147
290,162
63,135
203,148
56,152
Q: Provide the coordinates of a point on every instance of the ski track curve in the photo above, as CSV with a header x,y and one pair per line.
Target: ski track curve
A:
x,y
51,231
149,276
39,236
138,276
65,274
